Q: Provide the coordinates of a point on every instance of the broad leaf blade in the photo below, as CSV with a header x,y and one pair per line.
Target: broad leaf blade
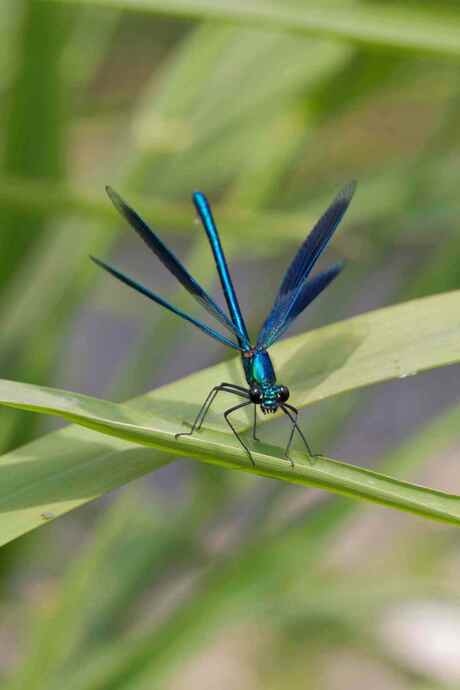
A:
x,y
73,466
222,449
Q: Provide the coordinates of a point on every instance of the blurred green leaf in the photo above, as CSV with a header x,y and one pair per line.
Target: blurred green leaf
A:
x,y
404,28
35,124
36,121
61,619
192,128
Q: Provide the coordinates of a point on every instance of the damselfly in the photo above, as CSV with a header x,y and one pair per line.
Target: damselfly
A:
x,y
297,291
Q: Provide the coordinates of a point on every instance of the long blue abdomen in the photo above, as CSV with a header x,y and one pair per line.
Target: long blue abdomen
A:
x,y
204,211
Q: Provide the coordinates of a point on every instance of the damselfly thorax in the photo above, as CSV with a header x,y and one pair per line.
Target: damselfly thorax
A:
x,y
261,378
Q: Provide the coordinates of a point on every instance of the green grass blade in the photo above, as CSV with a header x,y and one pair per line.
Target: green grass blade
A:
x,y
65,470
35,126
423,333
376,25
222,449
205,122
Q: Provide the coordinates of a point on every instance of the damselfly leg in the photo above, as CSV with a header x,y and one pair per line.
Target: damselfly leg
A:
x,y
288,410
227,413
254,426
204,409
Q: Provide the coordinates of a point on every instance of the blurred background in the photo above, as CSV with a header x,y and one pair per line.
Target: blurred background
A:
x,y
195,577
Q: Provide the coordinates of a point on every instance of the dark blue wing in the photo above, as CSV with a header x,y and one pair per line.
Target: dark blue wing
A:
x,y
159,300
301,266
171,262
204,211
311,288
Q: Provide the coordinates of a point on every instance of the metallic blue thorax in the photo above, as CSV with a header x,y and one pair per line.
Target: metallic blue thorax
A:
x,y
258,369
259,372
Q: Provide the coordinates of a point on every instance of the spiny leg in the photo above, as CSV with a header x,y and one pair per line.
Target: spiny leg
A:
x,y
204,409
226,388
229,388
298,429
295,426
291,435
254,426
226,415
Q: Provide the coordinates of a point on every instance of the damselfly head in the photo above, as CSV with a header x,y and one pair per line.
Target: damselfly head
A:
x,y
269,398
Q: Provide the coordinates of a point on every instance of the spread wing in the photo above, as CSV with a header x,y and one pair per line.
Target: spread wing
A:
x,y
310,290
296,292
171,262
159,300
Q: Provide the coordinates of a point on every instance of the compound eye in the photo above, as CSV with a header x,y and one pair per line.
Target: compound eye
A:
x,y
283,393
255,394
